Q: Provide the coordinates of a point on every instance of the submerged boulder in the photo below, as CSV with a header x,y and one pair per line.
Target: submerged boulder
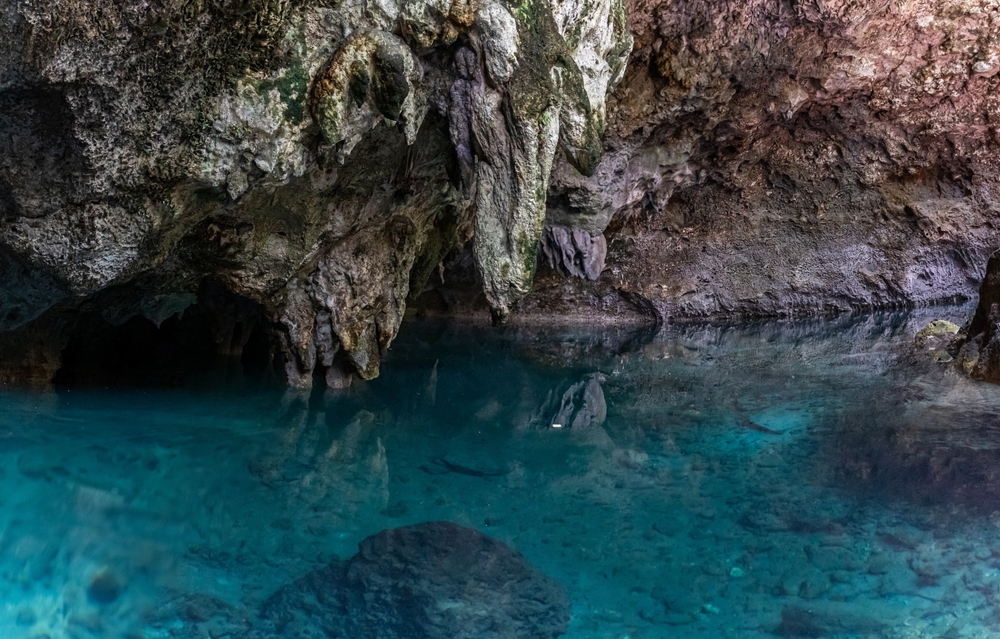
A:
x,y
829,619
430,580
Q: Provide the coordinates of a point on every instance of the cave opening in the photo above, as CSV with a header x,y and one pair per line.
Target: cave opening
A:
x,y
220,340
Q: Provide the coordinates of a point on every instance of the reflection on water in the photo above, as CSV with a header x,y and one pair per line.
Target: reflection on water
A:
x,y
810,479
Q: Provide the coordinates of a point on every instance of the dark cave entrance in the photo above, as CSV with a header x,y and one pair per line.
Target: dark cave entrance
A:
x,y
220,340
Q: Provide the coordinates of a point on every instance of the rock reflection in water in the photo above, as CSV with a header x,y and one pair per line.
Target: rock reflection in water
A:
x,y
581,407
801,479
925,445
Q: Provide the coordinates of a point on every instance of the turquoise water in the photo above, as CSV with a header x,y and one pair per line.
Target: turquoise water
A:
x,y
796,479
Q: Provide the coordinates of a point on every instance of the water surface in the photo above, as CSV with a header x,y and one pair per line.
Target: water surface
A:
x,y
792,479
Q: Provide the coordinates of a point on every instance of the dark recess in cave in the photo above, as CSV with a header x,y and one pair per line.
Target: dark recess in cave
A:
x,y
207,345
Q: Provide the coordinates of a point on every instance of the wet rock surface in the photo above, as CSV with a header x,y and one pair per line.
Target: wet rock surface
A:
x,y
318,161
766,159
432,580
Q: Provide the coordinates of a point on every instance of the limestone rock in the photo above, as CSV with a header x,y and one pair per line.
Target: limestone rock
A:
x,y
940,339
575,251
429,580
374,77
292,151
936,330
736,179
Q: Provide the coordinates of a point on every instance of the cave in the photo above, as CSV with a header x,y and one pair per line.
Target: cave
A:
x,y
492,319
181,351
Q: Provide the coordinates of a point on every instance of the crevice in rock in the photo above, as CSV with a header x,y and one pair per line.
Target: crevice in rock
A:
x,y
41,161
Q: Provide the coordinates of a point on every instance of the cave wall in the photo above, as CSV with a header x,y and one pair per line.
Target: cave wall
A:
x,y
784,157
526,160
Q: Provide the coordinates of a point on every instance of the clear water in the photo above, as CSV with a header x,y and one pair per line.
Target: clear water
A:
x,y
812,479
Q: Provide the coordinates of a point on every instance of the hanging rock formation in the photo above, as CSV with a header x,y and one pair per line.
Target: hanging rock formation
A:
x,y
979,353
321,161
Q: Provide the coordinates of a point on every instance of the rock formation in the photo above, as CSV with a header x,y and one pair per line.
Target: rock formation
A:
x,y
979,354
317,165
319,160
767,158
435,579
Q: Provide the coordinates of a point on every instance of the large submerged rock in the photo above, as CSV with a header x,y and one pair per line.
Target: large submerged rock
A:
x,y
329,162
432,580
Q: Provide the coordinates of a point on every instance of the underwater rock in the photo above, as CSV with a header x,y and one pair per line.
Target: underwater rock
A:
x,y
200,615
431,580
828,618
684,596
944,455
104,588
445,465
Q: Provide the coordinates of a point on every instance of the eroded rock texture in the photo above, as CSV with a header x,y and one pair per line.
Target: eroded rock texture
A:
x,y
980,349
327,161
320,159
773,158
